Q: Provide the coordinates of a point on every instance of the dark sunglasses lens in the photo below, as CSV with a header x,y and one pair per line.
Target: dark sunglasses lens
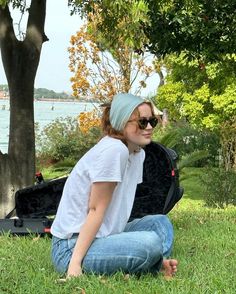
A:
x,y
143,122
153,122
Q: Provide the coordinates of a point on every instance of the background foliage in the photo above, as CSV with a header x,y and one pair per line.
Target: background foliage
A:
x,y
166,27
63,139
205,30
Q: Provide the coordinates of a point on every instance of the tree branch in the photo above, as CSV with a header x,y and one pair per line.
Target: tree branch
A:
x,y
35,25
7,37
6,26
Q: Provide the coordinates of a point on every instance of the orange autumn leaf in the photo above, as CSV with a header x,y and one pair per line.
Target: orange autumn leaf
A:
x,y
88,120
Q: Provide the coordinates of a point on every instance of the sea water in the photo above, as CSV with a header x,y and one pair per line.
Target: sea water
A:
x,y
44,112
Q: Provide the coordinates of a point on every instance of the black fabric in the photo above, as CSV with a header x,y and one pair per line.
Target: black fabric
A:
x,y
39,200
159,191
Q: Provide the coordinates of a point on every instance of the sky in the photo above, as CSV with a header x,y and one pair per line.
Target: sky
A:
x,y
53,72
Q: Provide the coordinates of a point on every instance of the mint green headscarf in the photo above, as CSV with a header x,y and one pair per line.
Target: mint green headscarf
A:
x,y
122,106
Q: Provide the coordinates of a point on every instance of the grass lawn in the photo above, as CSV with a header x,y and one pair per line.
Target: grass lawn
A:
x,y
205,245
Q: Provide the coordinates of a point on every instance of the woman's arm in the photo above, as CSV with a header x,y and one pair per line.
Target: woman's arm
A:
x,y
100,197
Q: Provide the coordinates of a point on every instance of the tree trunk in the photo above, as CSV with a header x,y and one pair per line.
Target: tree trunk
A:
x,y
162,78
7,184
20,61
228,144
17,167
165,118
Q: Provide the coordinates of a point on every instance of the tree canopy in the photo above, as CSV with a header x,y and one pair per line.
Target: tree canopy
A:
x,y
206,30
101,73
116,18
203,96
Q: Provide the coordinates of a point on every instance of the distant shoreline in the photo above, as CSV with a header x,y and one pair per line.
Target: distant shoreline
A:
x,y
59,100
55,100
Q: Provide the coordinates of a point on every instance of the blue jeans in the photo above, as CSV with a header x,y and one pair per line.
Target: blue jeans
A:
x,y
140,248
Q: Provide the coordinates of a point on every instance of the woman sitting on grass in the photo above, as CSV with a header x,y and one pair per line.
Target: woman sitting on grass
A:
x,y
91,232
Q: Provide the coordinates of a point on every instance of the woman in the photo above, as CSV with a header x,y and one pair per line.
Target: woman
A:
x,y
91,232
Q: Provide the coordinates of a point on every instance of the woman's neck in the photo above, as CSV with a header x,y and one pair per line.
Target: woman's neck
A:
x,y
133,148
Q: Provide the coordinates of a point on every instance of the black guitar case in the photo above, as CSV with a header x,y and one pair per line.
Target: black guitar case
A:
x,y
35,206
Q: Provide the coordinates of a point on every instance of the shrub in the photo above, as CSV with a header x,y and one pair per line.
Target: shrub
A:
x,y
186,140
219,187
62,139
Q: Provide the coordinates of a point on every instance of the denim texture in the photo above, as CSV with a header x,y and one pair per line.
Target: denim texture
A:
x,y
140,248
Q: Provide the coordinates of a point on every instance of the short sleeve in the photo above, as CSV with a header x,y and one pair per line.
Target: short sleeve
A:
x,y
110,164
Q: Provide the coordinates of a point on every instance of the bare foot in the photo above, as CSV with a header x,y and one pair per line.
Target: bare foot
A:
x,y
169,268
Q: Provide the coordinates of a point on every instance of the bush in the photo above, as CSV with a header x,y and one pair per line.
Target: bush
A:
x,y
186,140
62,139
219,187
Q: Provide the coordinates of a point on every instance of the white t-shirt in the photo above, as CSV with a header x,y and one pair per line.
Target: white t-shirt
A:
x,y
108,161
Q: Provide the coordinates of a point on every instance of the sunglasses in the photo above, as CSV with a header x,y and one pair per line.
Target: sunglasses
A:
x,y
143,122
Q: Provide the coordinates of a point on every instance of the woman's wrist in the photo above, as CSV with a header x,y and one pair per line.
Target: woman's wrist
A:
x,y
76,261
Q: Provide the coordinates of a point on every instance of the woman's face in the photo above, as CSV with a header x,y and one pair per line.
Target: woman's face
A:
x,y
134,135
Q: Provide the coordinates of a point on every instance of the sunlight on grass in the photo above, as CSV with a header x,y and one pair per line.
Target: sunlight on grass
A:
x,y
51,173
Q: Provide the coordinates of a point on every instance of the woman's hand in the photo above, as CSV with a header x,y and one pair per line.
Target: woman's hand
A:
x,y
74,271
